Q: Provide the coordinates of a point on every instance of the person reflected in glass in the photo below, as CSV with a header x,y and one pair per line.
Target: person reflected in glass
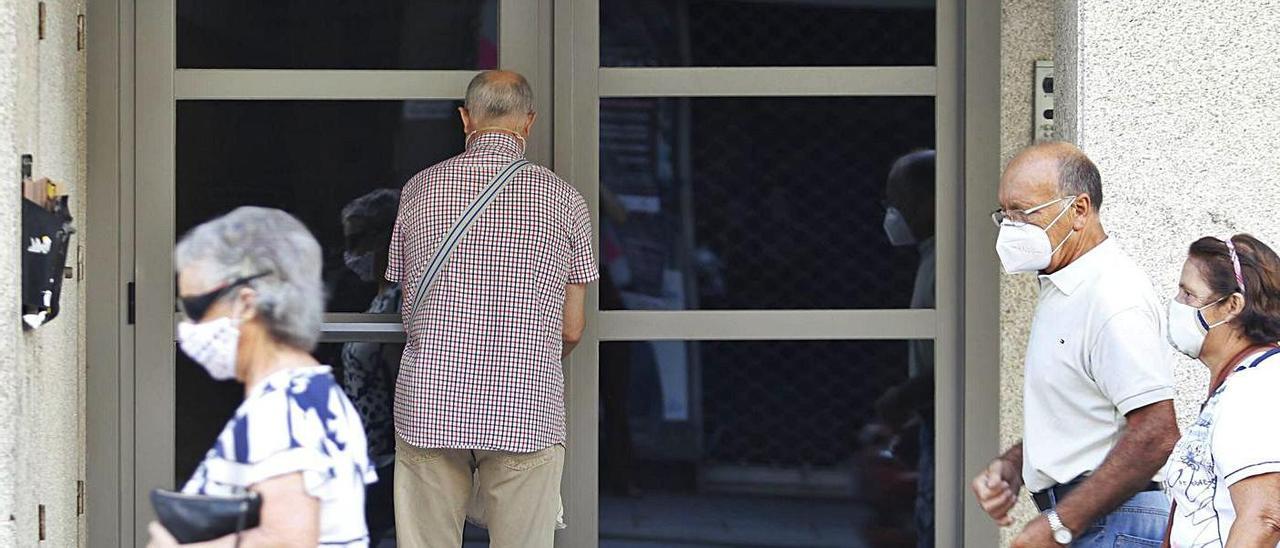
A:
x,y
250,292
369,369
909,221
616,465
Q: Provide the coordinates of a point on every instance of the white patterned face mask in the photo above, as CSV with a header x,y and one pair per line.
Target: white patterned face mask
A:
x,y
213,345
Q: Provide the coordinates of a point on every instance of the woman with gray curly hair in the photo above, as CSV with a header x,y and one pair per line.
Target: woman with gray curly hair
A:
x,y
250,290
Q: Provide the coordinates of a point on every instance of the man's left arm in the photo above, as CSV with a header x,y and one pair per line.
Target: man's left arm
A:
x,y
1142,451
575,317
1132,366
582,271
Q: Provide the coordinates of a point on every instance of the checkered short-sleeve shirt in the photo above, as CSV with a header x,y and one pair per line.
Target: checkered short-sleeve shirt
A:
x,y
481,367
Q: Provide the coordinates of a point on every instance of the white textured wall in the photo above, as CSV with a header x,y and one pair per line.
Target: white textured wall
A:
x,y
1175,102
9,292
41,374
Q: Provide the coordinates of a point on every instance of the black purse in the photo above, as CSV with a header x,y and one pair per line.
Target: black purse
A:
x,y
198,518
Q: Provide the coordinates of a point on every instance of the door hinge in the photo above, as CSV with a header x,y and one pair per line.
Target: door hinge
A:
x,y
79,497
80,32
133,306
40,19
40,511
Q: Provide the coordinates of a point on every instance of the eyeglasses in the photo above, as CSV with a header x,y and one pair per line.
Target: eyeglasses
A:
x,y
1022,216
197,306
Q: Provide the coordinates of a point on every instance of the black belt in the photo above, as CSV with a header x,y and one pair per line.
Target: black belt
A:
x,y
1050,497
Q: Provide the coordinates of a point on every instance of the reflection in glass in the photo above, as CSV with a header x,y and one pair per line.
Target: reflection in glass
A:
x,y
337,34
760,203
367,371
736,33
310,158
795,443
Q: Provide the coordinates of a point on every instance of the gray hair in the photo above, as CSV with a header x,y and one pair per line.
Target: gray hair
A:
x,y
371,214
497,94
251,240
1077,175
379,208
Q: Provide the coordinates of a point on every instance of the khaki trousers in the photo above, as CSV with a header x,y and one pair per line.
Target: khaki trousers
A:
x,y
517,495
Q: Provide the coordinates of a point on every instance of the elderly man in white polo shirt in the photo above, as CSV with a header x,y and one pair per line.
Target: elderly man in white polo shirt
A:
x,y
1099,419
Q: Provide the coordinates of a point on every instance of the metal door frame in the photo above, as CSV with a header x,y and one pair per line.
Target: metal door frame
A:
x,y
133,87
133,143
967,290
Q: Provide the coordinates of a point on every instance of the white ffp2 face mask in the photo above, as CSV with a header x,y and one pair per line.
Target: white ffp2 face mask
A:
x,y
897,229
213,345
1187,327
1024,247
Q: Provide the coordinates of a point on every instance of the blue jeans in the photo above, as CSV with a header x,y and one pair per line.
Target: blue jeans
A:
x,y
1139,522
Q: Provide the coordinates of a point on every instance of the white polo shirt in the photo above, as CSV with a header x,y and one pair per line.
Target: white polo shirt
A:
x,y
1097,351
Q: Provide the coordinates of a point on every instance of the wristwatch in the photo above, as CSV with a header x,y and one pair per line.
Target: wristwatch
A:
x,y
1061,534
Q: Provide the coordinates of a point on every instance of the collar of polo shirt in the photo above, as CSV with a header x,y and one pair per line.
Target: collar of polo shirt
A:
x,y
1093,263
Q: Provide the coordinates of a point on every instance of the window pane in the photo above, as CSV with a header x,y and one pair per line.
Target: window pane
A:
x,y
202,407
735,33
314,159
338,34
795,443
767,203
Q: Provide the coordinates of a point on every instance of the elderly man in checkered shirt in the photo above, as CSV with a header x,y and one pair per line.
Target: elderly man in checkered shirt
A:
x,y
479,403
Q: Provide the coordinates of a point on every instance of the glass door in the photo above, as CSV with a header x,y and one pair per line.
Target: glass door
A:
x,y
321,108
764,364
773,367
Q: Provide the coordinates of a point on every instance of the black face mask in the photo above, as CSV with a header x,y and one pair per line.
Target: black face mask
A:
x,y
196,306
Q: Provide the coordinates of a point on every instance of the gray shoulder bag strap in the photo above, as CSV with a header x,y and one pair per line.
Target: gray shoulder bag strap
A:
x,y
459,230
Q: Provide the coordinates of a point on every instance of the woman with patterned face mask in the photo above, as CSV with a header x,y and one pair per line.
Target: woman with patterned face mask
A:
x,y
250,290
1224,474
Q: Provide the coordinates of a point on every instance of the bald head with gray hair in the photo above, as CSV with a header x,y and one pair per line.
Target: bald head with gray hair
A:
x,y
254,240
496,96
1076,174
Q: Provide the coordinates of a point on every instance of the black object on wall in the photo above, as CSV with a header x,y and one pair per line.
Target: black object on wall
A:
x,y
46,233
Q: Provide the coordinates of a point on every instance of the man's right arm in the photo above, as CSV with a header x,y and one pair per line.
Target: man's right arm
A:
x,y
575,316
997,487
